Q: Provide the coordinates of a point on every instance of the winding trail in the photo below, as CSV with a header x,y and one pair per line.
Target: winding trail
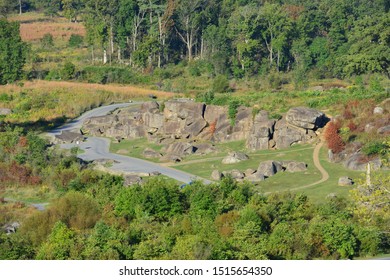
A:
x,y
317,164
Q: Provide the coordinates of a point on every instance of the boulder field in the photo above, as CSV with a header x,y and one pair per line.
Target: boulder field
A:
x,y
179,120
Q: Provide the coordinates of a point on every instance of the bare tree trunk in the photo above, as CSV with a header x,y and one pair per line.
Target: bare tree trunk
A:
x,y
201,47
20,7
104,56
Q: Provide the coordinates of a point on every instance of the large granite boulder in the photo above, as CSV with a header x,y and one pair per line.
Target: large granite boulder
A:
x,y
269,168
305,117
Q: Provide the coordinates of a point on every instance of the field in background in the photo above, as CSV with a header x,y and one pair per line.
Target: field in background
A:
x,y
47,101
34,26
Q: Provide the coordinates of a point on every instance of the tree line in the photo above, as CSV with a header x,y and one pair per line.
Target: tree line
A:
x,y
334,38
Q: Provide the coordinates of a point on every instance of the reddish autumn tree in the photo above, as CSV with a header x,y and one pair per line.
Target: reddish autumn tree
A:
x,y
332,137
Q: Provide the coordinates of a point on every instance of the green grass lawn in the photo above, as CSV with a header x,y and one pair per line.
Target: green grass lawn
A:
x,y
134,148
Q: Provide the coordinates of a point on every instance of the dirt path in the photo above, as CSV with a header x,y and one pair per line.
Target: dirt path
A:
x,y
317,164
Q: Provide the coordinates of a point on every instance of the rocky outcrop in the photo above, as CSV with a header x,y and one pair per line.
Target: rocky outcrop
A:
x,y
184,119
298,126
261,132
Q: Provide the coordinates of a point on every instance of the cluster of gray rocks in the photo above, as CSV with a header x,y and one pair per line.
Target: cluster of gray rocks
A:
x,y
179,121
264,170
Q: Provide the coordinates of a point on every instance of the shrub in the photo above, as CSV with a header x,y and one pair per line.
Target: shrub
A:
x,y
47,41
232,110
221,84
375,148
68,71
332,137
75,41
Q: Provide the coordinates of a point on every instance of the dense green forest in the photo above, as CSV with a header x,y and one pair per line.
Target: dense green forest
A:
x,y
332,38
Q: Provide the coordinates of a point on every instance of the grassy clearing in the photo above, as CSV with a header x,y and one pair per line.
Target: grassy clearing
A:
x,y
57,101
30,194
134,148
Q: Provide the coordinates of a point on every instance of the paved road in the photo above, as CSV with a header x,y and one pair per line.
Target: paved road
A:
x,y
98,148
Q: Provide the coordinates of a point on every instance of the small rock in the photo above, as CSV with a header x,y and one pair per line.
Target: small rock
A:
x,y
249,172
296,166
150,153
5,111
235,157
345,181
236,174
131,180
216,175
378,110
384,130
255,177
369,128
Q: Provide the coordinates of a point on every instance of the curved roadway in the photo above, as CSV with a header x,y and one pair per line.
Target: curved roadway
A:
x,y
98,148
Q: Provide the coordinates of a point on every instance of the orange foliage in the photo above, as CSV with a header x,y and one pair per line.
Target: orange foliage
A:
x,y
332,137
213,127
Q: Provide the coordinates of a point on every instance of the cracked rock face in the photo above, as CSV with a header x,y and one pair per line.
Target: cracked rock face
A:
x,y
192,121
